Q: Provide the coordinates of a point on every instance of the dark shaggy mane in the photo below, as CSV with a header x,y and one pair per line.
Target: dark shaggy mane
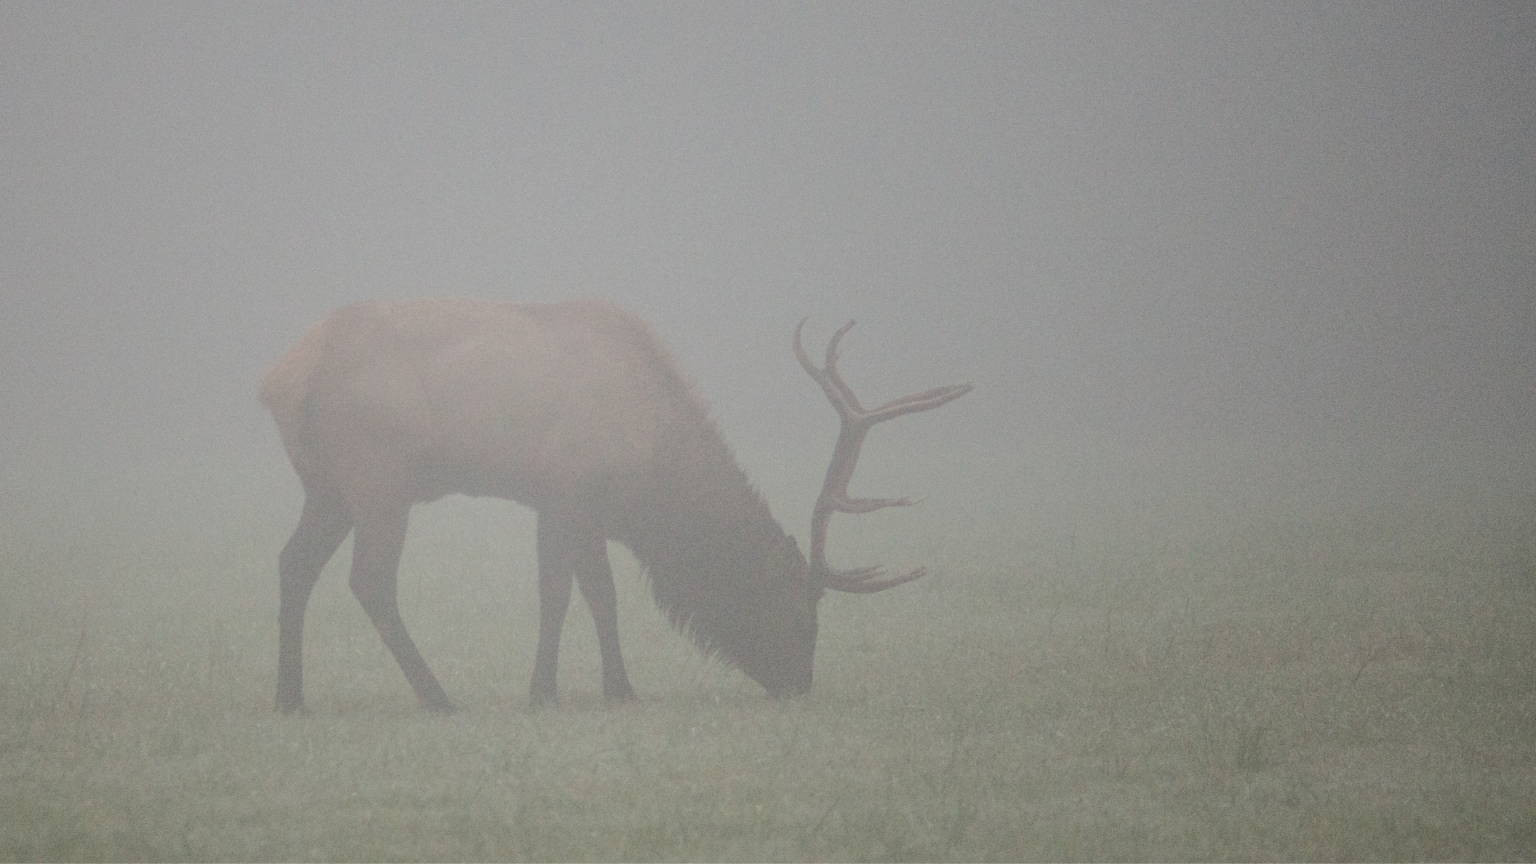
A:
x,y
694,521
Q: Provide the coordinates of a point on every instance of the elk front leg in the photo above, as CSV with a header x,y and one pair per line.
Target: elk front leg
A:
x,y
595,576
322,527
375,568
555,571
571,546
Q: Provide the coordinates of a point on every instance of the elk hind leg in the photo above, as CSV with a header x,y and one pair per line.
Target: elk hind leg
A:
x,y
322,527
375,570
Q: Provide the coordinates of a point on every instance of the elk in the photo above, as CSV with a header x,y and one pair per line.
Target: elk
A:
x,y
576,410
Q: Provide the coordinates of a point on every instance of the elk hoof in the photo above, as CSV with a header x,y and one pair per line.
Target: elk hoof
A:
x,y
440,706
621,696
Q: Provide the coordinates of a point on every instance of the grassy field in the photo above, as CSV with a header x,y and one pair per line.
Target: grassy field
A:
x,y
1292,691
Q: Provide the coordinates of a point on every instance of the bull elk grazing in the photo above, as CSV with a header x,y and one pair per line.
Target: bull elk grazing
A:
x,y
576,410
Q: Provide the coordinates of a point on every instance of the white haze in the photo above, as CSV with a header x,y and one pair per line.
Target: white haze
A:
x,y
1208,265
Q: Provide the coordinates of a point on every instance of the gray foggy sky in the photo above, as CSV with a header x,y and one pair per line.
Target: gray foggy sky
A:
x,y
1148,222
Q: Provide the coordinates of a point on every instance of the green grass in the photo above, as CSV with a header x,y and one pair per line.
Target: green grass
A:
x,y
1288,693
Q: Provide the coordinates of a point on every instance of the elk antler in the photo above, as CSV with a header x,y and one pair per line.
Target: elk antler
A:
x,y
856,423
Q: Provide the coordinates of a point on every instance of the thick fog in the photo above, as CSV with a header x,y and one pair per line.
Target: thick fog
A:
x,y
1196,258
1230,552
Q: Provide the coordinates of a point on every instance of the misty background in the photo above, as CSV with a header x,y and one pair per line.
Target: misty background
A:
x,y
1207,264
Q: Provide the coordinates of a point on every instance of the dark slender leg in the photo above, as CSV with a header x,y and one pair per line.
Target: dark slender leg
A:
x,y
595,577
322,527
375,567
555,571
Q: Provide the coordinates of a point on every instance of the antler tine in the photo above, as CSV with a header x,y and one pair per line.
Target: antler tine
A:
x,y
855,424
831,365
924,401
847,404
863,581
838,393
